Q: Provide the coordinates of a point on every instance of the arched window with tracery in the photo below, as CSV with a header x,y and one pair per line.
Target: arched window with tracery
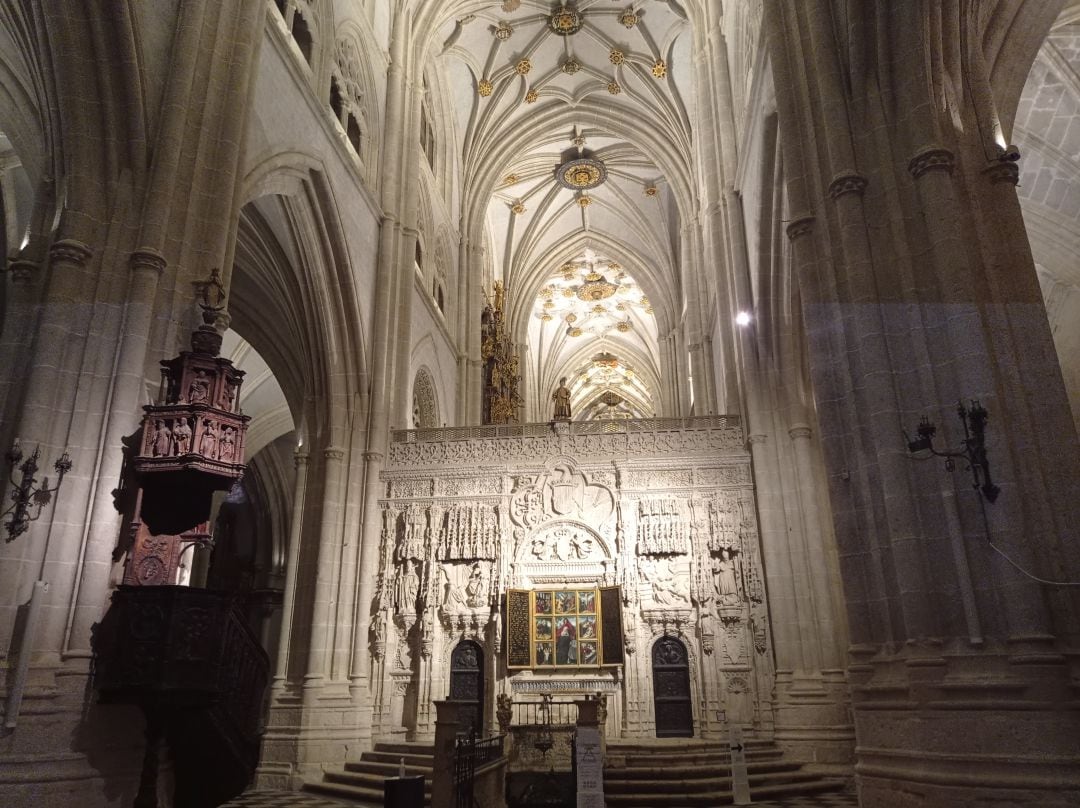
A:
x,y
348,101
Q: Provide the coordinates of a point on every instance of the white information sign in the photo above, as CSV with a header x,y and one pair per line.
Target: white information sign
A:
x,y
590,768
740,780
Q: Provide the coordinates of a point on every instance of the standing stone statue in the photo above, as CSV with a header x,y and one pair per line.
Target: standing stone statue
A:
x,y
561,397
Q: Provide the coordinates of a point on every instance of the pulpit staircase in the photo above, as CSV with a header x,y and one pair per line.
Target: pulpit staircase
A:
x,y
681,774
361,783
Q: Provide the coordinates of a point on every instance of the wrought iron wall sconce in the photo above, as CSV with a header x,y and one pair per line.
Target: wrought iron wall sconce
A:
x,y
972,450
27,495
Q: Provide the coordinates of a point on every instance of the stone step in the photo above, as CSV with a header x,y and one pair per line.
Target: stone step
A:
x,y
405,748
638,758
355,794
689,771
693,785
423,761
387,768
361,779
685,744
712,799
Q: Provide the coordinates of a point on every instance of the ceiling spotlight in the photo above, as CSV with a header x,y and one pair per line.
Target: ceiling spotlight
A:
x,y
743,318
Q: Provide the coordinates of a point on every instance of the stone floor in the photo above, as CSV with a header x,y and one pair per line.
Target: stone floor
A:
x,y
291,799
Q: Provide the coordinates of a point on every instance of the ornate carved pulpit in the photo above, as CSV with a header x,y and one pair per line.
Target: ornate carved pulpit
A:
x,y
192,444
185,655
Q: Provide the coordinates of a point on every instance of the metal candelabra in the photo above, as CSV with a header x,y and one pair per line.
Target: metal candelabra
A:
x,y
972,449
28,497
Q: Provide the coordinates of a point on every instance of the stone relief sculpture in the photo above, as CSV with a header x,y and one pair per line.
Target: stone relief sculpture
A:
x,y
470,530
661,528
463,587
667,591
414,533
684,551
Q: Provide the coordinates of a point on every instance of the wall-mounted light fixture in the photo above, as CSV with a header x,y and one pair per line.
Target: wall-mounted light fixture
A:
x,y
27,495
972,450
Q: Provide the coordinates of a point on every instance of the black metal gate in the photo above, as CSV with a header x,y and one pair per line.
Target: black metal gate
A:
x,y
671,689
467,685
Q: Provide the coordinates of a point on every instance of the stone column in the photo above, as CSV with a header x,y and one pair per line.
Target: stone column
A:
x,y
94,558
49,400
329,540
918,289
296,529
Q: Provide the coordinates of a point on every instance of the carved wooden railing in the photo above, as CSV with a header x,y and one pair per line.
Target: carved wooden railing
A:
x,y
189,659
622,426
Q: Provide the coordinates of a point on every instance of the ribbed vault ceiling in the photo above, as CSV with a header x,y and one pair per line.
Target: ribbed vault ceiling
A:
x,y
537,84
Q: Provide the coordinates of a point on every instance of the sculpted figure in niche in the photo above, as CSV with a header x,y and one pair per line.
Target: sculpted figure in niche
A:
x,y
228,444
162,440
208,442
228,397
474,589
725,578
181,437
199,389
561,397
408,588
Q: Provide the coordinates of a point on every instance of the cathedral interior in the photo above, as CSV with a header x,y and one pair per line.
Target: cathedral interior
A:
x,y
387,384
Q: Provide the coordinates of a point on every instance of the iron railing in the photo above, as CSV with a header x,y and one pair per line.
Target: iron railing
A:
x,y
472,753
540,713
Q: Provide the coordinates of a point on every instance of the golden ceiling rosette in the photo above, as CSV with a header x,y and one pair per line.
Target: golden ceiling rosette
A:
x,y
565,20
581,174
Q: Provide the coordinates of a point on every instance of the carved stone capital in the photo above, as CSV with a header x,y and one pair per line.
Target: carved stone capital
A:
x,y
798,431
22,270
1003,172
373,457
847,182
147,259
333,453
69,251
757,439
931,158
800,226
300,457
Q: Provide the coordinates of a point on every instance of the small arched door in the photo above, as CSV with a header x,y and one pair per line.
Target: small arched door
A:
x,y
671,689
467,685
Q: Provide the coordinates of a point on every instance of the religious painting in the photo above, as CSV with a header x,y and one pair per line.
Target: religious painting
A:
x,y
566,628
587,627
587,652
543,628
566,641
544,655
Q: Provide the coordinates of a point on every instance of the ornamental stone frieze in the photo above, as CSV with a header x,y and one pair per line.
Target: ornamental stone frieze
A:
x,y
659,512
